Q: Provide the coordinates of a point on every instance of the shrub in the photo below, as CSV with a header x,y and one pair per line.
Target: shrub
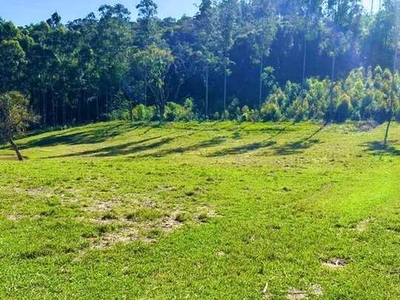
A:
x,y
299,110
249,115
174,112
271,112
144,113
118,114
344,109
177,112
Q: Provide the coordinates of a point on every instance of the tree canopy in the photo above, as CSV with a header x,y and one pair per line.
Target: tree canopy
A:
x,y
232,55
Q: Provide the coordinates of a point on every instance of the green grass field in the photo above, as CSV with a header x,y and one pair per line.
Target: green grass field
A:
x,y
202,211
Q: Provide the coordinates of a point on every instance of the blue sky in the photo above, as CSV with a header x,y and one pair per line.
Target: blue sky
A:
x,y
23,12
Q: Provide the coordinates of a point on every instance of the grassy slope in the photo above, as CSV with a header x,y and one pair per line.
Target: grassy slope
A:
x,y
201,211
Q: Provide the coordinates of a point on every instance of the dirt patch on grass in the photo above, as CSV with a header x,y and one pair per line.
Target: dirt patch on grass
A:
x,y
335,263
295,294
367,126
171,223
34,191
317,290
8,157
363,225
124,236
100,207
14,217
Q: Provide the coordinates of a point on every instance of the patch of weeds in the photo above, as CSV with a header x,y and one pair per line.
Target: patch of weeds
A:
x,y
145,214
203,217
109,216
182,217
153,233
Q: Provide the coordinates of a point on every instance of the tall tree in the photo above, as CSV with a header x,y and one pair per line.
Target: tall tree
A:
x,y
206,44
265,24
14,118
228,14
395,43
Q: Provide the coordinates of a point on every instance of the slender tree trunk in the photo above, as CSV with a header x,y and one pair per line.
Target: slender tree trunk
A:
x,y
53,104
97,108
331,89
261,82
64,112
207,90
303,79
178,90
44,113
130,110
225,84
16,149
145,89
392,95
106,108
79,111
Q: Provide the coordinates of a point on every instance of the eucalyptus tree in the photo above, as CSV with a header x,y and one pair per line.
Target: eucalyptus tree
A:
x,y
394,35
148,32
265,22
340,29
114,46
311,15
15,116
228,15
156,63
13,58
205,46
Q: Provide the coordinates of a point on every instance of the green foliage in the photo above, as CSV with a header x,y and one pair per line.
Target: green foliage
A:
x,y
271,112
144,113
95,68
176,112
344,108
15,116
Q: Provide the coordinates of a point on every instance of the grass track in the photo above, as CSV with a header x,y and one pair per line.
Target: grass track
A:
x,y
201,211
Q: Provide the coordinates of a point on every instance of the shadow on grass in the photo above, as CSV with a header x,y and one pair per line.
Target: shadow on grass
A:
x,y
301,145
251,147
379,148
96,135
243,149
202,145
123,149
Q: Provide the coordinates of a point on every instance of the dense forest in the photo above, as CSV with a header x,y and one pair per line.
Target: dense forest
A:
x,y
244,60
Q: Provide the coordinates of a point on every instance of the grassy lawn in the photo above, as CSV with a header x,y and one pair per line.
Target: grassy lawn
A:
x,y
202,211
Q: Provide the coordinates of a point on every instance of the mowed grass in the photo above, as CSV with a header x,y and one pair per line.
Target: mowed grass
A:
x,y
202,211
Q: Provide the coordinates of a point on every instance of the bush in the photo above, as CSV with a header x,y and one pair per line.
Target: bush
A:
x,y
344,109
299,110
271,112
118,114
144,113
249,115
177,112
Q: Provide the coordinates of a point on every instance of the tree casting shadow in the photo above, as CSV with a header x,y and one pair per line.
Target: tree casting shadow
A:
x,y
379,148
121,150
301,145
97,135
202,145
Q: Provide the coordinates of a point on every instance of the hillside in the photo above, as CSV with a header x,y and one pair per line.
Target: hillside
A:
x,y
211,210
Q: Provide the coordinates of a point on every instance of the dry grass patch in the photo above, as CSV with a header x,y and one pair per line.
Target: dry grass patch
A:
x,y
335,263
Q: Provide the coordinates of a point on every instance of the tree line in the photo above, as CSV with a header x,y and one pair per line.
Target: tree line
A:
x,y
235,59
